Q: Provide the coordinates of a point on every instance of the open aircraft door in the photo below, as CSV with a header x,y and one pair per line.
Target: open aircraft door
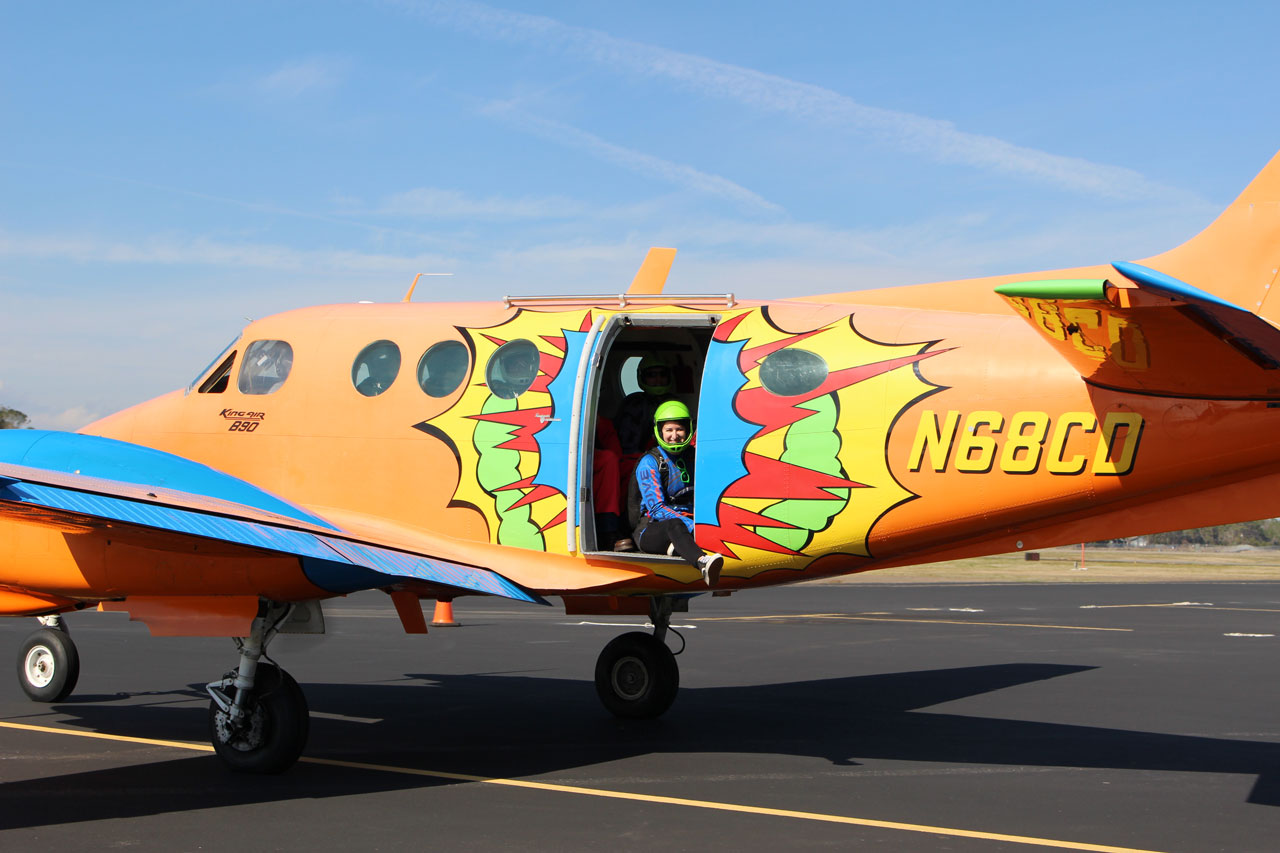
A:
x,y
602,356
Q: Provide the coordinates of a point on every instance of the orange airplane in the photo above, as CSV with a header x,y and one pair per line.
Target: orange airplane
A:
x,y
439,450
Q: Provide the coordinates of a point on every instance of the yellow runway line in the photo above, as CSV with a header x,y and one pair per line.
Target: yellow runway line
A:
x,y
146,741
624,795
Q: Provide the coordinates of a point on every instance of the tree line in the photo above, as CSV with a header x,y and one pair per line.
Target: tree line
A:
x,y
12,418
1260,534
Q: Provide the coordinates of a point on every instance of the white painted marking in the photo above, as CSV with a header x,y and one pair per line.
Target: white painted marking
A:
x,y
1166,604
966,610
344,718
1248,635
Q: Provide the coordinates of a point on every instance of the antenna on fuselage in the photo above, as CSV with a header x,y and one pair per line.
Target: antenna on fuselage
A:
x,y
409,295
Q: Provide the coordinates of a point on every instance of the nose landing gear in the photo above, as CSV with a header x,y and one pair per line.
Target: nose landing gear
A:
x,y
258,719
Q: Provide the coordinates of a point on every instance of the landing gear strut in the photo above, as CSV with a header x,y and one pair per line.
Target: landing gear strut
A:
x,y
637,675
48,663
258,719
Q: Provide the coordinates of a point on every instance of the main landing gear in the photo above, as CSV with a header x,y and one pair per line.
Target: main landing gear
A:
x,y
258,719
637,675
48,663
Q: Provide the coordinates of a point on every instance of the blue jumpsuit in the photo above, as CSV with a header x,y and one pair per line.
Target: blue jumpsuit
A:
x,y
667,505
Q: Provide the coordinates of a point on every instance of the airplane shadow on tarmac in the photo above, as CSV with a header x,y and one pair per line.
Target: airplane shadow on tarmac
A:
x,y
511,725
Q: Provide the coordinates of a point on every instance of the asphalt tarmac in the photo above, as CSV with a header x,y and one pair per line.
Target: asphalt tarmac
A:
x,y
895,718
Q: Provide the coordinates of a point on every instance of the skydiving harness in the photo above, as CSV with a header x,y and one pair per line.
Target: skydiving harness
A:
x,y
636,516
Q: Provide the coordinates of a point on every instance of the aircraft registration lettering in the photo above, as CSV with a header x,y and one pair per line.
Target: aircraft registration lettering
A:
x,y
983,440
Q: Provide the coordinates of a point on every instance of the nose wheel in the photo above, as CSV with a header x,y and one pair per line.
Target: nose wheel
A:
x,y
269,734
258,718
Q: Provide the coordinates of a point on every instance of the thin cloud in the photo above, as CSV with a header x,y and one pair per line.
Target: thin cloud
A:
x,y
296,79
432,202
206,252
935,139
677,174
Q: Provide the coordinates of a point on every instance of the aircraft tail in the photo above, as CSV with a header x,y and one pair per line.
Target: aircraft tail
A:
x,y
1237,257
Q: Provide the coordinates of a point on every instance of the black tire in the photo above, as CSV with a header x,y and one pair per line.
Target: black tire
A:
x,y
276,729
637,677
48,666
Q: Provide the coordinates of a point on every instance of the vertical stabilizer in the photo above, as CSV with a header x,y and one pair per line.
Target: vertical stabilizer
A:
x,y
653,272
1236,257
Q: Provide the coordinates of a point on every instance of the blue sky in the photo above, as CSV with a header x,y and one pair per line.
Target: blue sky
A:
x,y
169,169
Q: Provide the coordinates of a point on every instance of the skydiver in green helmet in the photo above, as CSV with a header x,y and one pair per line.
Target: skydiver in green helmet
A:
x,y
634,421
661,504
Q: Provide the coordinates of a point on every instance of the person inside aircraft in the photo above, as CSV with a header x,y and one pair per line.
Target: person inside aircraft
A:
x,y
661,503
608,488
634,421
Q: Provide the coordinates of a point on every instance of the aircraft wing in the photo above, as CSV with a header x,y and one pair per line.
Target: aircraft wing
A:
x,y
78,482
1144,331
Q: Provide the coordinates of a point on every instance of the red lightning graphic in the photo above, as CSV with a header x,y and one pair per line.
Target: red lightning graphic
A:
x,y
768,478
732,530
764,474
771,412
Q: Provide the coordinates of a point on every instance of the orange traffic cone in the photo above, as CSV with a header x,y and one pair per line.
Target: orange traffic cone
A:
x,y
443,617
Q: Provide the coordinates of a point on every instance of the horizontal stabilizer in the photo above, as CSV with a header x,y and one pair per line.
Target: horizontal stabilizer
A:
x,y
61,496
1147,332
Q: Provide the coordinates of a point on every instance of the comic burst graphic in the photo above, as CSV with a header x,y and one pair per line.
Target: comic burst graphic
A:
x,y
515,469
790,478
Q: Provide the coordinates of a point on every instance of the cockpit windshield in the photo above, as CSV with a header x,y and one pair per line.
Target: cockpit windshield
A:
x,y
217,359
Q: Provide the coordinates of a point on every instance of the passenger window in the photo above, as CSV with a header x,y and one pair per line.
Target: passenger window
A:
x,y
375,368
790,372
512,369
627,376
223,367
442,368
265,367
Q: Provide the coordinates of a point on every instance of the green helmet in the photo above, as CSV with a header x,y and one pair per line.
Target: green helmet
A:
x,y
660,383
672,410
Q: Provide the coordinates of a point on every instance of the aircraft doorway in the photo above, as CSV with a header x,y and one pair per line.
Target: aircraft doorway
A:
x,y
617,413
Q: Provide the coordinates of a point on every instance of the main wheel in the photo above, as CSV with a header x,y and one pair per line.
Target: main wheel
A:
x,y
48,665
271,736
637,676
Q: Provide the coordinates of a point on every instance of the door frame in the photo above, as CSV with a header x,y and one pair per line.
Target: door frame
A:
x,y
604,332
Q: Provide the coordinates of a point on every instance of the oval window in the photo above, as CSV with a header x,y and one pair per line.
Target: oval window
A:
x,y
790,372
512,369
376,368
265,367
442,368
